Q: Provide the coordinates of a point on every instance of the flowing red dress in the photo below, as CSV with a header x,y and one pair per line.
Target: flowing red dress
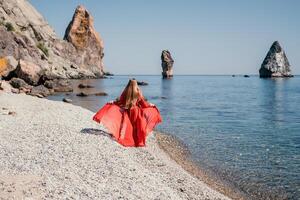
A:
x,y
129,127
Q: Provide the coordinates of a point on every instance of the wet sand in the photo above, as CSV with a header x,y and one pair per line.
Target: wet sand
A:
x,y
178,151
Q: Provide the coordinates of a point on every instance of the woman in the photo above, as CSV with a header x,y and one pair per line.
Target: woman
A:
x,y
130,118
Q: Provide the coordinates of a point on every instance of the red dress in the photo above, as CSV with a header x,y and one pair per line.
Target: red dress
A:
x,y
129,127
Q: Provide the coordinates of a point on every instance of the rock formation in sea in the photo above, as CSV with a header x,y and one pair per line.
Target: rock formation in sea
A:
x,y
167,64
276,63
31,50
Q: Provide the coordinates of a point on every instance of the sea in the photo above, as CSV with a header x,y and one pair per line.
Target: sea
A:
x,y
244,130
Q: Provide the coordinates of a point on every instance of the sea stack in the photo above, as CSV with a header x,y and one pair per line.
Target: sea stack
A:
x,y
167,64
276,63
82,34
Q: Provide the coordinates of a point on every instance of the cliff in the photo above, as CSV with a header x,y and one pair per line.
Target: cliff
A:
x,y
27,37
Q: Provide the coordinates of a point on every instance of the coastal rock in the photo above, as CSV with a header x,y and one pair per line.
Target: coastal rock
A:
x,y
40,90
26,35
87,41
276,63
29,72
7,65
19,83
167,64
59,85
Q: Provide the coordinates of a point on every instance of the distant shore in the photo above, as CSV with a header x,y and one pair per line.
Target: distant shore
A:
x,y
53,150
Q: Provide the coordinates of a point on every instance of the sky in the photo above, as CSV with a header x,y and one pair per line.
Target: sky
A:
x,y
203,36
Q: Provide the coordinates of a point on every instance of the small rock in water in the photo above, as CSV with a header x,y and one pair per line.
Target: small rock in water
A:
x,y
85,86
101,94
142,83
246,76
67,100
82,94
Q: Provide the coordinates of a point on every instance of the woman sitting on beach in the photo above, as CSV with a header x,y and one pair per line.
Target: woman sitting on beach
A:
x,y
130,118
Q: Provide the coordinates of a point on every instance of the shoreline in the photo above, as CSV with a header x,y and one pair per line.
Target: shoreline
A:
x,y
57,151
178,151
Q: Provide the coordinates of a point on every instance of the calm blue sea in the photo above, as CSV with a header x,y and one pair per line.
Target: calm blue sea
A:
x,y
245,130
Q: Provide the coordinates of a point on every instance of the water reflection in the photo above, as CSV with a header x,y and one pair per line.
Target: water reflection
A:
x,y
167,107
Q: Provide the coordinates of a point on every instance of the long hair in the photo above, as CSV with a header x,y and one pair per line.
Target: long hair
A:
x,y
130,94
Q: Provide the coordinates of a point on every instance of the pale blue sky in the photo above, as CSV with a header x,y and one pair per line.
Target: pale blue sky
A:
x,y
204,37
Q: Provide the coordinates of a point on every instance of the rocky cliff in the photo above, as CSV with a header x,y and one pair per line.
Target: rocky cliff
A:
x,y
27,38
88,43
275,63
167,64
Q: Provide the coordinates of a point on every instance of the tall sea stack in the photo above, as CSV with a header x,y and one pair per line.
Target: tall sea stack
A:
x,y
167,64
82,34
276,63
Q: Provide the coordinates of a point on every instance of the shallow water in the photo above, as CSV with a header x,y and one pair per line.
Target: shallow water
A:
x,y
245,130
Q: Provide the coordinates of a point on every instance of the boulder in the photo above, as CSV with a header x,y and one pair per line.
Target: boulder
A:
x,y
59,85
7,65
29,72
167,64
275,63
19,83
40,91
83,36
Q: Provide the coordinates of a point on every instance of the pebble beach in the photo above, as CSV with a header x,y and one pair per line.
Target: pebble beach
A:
x,y
53,150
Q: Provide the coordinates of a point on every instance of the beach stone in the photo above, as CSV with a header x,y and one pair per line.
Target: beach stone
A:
x,y
34,40
29,72
7,65
167,64
275,63
12,113
83,36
